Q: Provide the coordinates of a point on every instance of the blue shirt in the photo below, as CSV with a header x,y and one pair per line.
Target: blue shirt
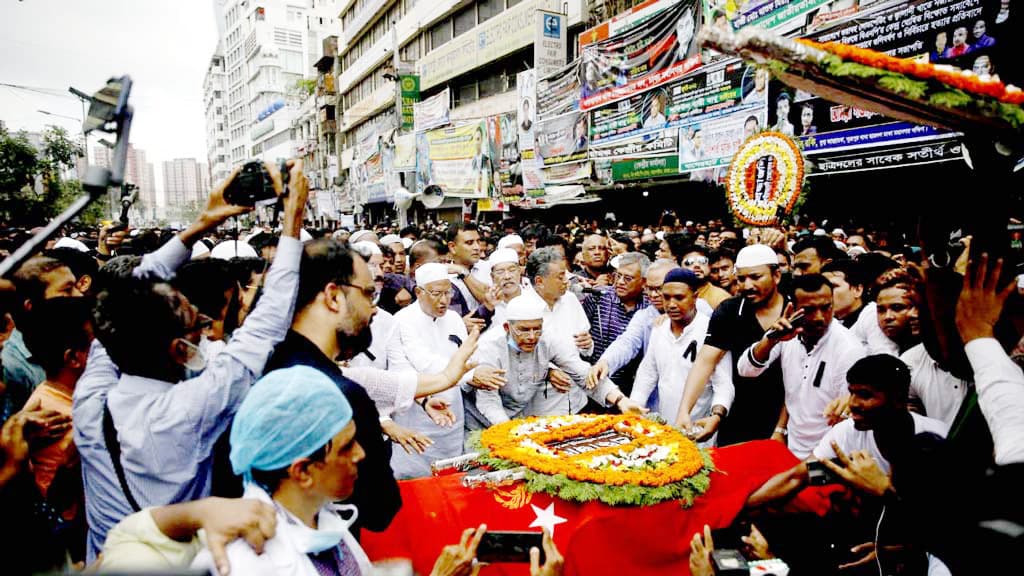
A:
x,y
167,431
21,374
608,320
632,341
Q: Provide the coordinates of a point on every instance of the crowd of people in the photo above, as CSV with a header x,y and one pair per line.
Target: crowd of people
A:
x,y
270,386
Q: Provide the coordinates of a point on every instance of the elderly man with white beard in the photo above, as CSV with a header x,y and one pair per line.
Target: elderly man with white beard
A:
x,y
523,354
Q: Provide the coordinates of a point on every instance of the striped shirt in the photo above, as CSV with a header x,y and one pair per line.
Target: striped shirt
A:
x,y
608,320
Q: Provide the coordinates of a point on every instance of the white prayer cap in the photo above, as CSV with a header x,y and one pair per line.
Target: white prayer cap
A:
x,y
820,232
355,236
510,240
660,234
840,245
614,262
689,222
525,307
648,231
199,250
839,232
407,243
366,248
855,251
503,256
229,249
390,239
304,236
71,243
431,272
756,255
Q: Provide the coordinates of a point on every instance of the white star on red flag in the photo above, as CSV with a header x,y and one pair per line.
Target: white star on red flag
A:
x,y
546,518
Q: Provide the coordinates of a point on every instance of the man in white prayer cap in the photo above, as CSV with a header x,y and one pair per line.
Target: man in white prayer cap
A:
x,y
757,410
397,247
360,235
429,334
517,361
516,243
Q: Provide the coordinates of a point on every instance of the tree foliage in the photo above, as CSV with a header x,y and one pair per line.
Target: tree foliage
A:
x,y
32,189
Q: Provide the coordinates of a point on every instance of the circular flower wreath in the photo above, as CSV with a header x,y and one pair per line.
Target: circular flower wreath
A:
x,y
657,463
766,172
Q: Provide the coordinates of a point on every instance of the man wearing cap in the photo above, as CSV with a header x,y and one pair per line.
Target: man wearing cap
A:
x,y
672,352
523,353
506,276
736,324
515,243
429,333
815,351
363,235
397,247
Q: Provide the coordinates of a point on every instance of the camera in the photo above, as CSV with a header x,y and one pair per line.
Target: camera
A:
x,y
819,475
253,185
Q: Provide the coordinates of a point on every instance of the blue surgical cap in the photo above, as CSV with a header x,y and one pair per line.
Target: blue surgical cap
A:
x,y
288,414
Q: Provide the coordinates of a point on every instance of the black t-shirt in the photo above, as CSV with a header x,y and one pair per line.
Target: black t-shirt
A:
x,y
755,410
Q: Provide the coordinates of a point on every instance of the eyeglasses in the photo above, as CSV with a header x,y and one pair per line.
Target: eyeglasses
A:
x,y
652,289
507,272
440,294
625,278
534,332
696,261
368,291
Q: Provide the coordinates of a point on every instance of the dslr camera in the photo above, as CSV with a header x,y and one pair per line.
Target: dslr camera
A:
x,y
253,185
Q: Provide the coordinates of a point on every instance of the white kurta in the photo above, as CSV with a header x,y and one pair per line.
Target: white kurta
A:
x,y
426,347
940,392
667,363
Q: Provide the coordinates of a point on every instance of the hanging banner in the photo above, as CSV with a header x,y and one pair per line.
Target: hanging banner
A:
x,y
560,92
567,173
549,42
410,86
714,90
504,135
456,159
533,175
432,112
643,53
405,152
562,139
888,157
645,168
713,142
657,143
773,14
526,110
973,35
372,179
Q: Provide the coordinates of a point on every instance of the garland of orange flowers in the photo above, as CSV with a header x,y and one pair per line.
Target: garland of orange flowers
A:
x,y
965,80
686,459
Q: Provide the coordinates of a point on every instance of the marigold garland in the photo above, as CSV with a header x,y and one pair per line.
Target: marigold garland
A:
x,y
679,472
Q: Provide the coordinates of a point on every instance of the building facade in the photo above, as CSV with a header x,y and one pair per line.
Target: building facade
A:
x,y
215,104
139,172
186,186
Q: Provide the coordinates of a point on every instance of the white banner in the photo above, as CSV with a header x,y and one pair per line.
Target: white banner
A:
x,y
526,107
432,112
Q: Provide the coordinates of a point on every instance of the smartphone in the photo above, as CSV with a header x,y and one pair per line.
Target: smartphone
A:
x,y
731,536
512,547
819,475
796,321
252,185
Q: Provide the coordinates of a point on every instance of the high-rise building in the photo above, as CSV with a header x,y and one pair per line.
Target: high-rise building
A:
x,y
214,100
186,183
269,48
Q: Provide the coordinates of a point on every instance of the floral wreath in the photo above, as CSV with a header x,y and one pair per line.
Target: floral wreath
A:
x,y
766,173
647,462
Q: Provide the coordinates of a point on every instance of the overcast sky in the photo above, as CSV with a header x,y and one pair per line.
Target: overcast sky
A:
x,y
164,46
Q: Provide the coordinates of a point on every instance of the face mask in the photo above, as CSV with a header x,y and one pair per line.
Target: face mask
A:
x,y
330,534
512,344
210,348
197,361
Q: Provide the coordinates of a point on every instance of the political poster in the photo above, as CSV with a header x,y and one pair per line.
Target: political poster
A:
x,y
457,159
651,45
526,108
659,143
713,142
432,112
562,139
559,93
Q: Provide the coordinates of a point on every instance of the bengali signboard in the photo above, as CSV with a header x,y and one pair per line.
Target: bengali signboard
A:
x,y
549,44
657,143
456,159
652,46
562,139
717,89
560,92
888,157
433,111
712,143
410,87
774,14
643,168
566,173
970,34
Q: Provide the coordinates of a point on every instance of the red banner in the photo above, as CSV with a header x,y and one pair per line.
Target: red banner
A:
x,y
595,538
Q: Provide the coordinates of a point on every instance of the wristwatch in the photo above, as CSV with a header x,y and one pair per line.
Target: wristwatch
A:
x,y
719,411
781,430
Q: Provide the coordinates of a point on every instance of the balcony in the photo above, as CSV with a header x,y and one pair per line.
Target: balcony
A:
x,y
325,85
329,52
362,19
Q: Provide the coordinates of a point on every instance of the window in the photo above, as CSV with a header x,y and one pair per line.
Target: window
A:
x,y
493,83
292,61
465,19
466,93
489,9
440,34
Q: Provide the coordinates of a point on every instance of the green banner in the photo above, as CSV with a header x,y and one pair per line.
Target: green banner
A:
x,y
642,168
410,85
